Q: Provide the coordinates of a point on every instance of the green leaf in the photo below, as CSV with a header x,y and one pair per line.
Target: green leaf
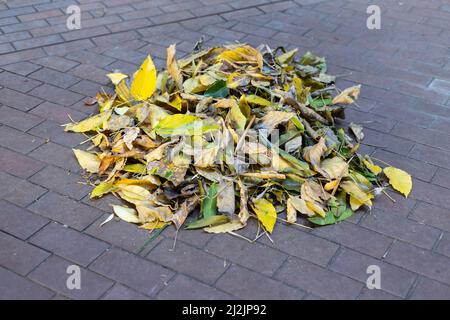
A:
x,y
347,213
184,124
208,222
209,203
218,89
135,168
329,219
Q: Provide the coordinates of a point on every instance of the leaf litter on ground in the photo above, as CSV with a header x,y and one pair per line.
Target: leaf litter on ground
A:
x,y
238,132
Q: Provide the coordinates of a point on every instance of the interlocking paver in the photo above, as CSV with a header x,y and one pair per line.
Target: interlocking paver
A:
x,y
54,272
18,255
69,244
188,260
182,288
47,71
250,285
64,210
19,288
147,277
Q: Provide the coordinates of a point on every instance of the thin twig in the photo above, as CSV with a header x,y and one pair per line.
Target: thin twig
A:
x,y
295,223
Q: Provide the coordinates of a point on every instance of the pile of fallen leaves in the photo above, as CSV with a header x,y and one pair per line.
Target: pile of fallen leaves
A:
x,y
236,131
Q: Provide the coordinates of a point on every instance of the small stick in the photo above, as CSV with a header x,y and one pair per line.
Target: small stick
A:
x,y
295,223
239,236
241,139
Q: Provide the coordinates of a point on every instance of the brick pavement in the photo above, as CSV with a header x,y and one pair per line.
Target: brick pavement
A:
x,y
47,221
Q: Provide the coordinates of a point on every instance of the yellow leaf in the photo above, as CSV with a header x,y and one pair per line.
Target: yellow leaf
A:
x,y
102,188
331,185
225,227
399,180
88,161
266,213
316,208
144,82
126,214
116,77
258,100
354,191
300,205
372,167
90,124
172,67
154,225
237,116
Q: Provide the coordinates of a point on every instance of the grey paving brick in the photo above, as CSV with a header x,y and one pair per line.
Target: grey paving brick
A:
x,y
87,88
57,155
22,68
69,244
56,63
431,193
18,119
37,42
188,260
19,191
394,280
61,181
196,238
291,241
56,95
18,221
310,277
356,238
57,78
400,228
57,113
64,210
375,294
16,82
19,288
402,206
253,256
90,73
40,15
428,289
444,244
182,288
242,283
425,262
91,58
418,169
52,131
64,48
147,277
21,56
53,274
442,125
18,100
431,215
431,155
18,164
18,255
120,292
17,140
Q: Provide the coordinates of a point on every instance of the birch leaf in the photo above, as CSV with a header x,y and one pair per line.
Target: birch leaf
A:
x,y
399,180
144,82
266,213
